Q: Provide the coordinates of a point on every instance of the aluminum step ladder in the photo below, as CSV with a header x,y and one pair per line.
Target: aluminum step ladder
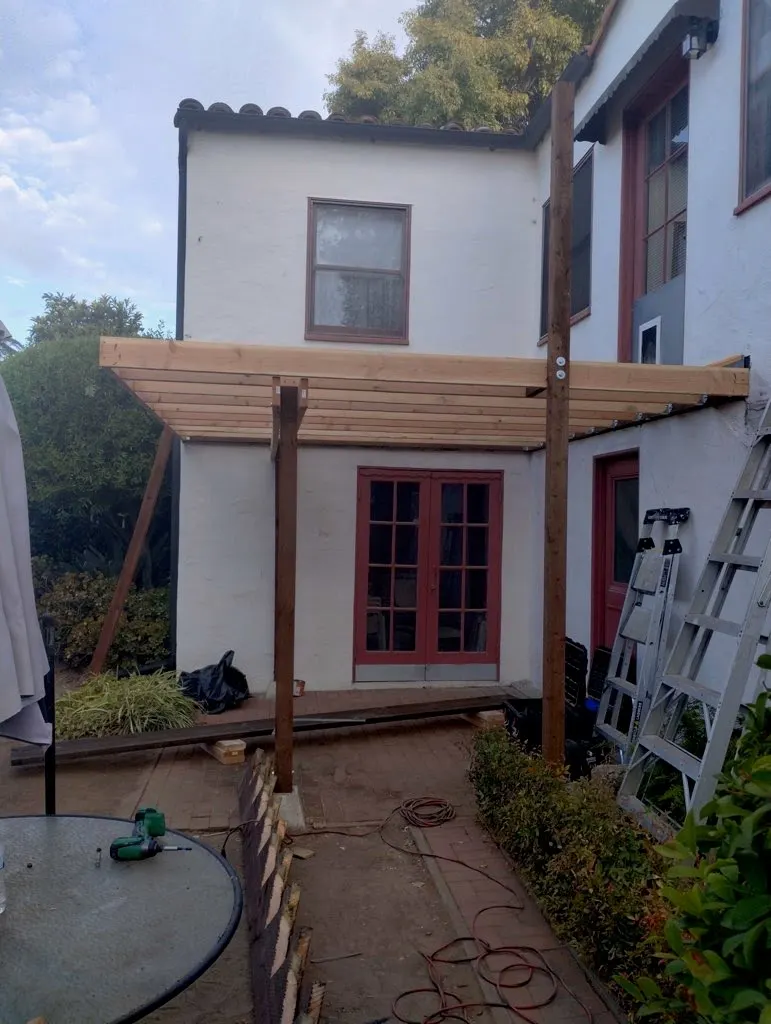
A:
x,y
680,682
643,629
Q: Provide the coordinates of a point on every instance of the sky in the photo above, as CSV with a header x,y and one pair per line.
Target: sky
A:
x,y
88,151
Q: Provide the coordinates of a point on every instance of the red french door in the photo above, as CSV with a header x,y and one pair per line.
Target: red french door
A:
x,y
428,579
616,532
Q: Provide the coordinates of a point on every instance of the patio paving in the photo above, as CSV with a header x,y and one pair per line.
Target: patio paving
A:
x,y
350,778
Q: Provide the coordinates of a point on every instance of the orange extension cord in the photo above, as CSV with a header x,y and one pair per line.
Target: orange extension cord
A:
x,y
506,968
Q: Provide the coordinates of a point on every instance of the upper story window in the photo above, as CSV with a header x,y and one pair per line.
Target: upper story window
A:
x,y
358,272
756,162
666,192
581,288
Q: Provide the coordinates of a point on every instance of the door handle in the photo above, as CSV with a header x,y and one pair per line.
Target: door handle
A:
x,y
434,578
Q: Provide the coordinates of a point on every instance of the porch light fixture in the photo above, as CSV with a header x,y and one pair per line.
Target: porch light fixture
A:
x,y
702,34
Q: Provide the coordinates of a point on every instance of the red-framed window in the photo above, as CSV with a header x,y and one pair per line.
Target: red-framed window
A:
x,y
428,567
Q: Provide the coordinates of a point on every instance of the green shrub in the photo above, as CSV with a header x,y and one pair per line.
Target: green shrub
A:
x,y
108,706
79,603
593,871
720,934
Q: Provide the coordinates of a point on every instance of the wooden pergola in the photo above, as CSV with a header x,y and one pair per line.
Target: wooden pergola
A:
x,y
224,392
285,397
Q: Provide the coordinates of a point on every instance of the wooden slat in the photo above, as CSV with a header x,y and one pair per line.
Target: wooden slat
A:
x,y
394,367
313,363
480,699
559,372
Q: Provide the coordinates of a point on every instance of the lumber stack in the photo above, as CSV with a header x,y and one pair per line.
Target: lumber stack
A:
x,y
278,949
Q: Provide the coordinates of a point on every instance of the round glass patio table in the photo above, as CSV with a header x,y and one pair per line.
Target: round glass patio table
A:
x,y
88,940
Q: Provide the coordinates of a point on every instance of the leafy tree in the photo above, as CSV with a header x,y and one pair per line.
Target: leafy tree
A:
x,y
88,443
8,343
66,317
476,62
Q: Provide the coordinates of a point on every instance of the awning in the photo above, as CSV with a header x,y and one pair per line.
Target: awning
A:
x,y
659,45
224,392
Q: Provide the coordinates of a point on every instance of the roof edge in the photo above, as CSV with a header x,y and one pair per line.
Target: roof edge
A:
x,y
250,120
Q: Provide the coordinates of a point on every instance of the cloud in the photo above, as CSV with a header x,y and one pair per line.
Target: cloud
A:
x,y
88,171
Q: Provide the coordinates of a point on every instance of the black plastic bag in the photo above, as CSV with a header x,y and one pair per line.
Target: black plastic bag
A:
x,y
216,688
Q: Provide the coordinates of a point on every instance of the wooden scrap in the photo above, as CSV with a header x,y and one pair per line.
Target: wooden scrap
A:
x,y
285,926
295,975
302,852
227,751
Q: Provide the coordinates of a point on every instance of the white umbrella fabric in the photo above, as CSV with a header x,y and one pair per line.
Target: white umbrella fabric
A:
x,y
23,661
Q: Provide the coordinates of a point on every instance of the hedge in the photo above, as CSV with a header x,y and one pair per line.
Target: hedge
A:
x,y
595,874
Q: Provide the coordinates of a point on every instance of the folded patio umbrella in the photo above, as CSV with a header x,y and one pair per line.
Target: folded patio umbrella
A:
x,y
23,661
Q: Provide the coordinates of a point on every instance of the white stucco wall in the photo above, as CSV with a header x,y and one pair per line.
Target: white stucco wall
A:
x,y
226,570
687,461
474,281
728,276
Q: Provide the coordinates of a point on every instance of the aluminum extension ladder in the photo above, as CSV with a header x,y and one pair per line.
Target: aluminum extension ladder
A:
x,y
680,684
643,630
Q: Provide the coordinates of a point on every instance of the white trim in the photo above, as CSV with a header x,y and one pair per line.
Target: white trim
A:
x,y
655,322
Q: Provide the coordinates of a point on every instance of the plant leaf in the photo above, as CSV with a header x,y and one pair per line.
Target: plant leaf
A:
x,y
746,911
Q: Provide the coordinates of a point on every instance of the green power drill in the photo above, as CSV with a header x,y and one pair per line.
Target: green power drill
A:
x,y
143,843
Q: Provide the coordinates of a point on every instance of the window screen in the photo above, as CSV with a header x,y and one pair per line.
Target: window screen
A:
x,y
581,288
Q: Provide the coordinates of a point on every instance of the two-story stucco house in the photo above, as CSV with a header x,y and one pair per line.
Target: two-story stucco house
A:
x,y
424,564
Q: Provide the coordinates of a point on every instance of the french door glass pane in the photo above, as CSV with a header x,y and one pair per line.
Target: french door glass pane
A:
x,y
475,632
678,185
407,502
380,541
450,588
477,503
406,552
451,546
449,632
477,545
406,588
452,503
381,501
626,527
378,631
379,588
405,631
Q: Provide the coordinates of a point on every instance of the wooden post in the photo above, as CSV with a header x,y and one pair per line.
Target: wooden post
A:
x,y
286,573
557,422
134,551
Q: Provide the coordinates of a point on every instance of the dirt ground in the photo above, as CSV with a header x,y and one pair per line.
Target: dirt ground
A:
x,y
359,896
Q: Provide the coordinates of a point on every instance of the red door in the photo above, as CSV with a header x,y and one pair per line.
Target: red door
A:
x,y
616,532
427,597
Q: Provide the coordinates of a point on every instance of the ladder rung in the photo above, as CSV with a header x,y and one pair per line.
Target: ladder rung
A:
x,y
622,684
740,561
751,495
714,624
620,739
673,755
693,689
